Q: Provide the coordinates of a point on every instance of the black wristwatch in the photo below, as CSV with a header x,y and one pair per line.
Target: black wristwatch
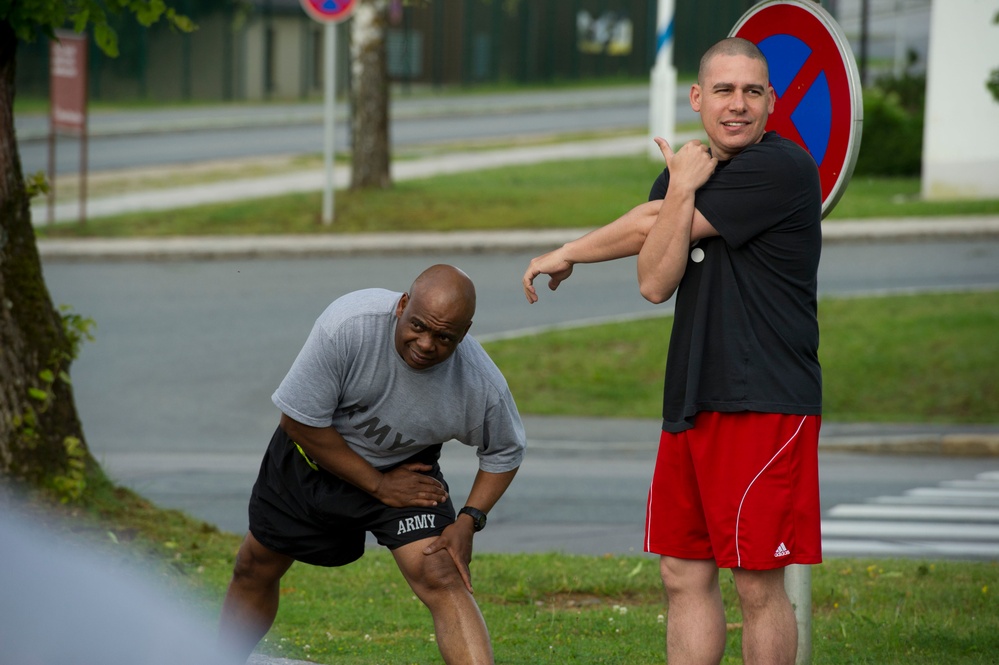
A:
x,y
478,517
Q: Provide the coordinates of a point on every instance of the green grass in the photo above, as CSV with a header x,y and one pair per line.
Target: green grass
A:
x,y
918,358
929,357
568,194
900,197
550,607
908,358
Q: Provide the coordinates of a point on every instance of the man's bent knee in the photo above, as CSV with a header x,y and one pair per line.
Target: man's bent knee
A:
x,y
428,573
258,563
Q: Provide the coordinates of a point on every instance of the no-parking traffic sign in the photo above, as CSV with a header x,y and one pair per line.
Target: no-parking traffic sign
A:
x,y
332,11
814,74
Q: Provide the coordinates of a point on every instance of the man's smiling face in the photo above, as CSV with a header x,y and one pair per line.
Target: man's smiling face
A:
x,y
429,330
734,99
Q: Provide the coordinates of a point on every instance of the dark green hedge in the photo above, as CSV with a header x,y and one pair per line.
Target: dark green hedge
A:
x,y
892,139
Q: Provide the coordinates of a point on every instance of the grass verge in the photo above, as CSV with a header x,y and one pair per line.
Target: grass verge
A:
x,y
552,607
906,357
911,358
566,194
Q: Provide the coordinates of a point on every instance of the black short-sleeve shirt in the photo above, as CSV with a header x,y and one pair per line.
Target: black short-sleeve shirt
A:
x,y
745,333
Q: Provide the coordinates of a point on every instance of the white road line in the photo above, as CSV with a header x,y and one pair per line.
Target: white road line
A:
x,y
873,511
883,530
929,549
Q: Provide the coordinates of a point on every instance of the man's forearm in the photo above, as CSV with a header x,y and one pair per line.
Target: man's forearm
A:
x,y
620,238
663,257
487,488
331,452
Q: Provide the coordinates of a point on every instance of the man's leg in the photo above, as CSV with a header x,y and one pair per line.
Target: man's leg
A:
x,y
251,602
695,620
769,628
462,636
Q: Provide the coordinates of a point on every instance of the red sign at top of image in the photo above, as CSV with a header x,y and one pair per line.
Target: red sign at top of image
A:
x,y
814,74
332,11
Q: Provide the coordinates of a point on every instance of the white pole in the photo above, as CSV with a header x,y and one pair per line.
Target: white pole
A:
x,y
798,584
662,97
329,98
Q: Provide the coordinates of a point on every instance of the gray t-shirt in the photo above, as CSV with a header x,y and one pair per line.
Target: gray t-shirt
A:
x,y
349,376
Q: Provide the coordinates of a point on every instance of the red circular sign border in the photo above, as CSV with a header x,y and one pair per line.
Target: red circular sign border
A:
x,y
323,17
809,22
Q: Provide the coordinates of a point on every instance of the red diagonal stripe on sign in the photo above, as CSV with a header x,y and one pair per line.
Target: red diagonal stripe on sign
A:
x,y
780,120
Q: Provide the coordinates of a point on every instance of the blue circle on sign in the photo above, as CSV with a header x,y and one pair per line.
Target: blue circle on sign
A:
x,y
812,117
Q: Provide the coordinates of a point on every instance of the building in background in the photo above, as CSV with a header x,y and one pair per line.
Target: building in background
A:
x,y
961,131
256,50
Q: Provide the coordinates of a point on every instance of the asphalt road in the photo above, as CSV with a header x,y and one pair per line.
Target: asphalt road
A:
x,y
175,392
123,140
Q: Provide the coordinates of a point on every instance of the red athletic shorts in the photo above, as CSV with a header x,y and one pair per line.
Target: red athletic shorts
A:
x,y
740,488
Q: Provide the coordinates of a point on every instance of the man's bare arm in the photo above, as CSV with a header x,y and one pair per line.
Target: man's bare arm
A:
x,y
402,486
662,259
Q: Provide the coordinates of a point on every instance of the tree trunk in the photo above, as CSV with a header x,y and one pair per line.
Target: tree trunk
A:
x,y
370,136
41,441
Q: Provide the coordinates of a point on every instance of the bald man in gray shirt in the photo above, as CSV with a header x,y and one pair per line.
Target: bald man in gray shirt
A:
x,y
383,381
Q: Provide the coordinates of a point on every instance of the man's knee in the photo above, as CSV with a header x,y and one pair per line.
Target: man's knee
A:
x,y
688,575
759,588
256,563
434,573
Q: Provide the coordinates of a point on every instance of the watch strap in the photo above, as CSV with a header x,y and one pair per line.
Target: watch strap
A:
x,y
478,517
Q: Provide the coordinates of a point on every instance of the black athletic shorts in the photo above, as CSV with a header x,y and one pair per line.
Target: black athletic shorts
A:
x,y
317,518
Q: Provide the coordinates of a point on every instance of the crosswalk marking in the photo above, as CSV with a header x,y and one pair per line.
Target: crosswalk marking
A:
x,y
956,519
865,510
911,530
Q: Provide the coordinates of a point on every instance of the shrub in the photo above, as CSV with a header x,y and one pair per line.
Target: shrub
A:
x,y
892,139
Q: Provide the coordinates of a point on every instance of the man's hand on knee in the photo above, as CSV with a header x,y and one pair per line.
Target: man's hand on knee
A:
x,y
457,541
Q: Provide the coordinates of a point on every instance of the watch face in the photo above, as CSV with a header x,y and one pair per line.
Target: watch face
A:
x,y
478,517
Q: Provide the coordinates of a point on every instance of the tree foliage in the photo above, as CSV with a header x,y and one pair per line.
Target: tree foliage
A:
x,y
41,439
32,19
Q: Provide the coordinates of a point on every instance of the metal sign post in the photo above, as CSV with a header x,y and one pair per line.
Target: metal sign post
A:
x,y
68,107
329,107
662,100
820,107
329,12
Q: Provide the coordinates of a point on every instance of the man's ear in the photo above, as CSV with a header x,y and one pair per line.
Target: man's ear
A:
x,y
403,301
695,98
465,331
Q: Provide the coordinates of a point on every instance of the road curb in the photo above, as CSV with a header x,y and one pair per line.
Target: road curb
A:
x,y
948,445
333,245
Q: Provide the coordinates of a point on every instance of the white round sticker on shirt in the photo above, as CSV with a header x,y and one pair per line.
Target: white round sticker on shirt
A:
x,y
697,255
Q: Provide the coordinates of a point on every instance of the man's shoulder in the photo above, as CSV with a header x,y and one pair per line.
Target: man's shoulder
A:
x,y
478,362
358,306
364,301
775,144
782,158
373,298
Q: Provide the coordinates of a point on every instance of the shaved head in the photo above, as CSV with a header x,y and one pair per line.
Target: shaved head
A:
x,y
732,46
446,287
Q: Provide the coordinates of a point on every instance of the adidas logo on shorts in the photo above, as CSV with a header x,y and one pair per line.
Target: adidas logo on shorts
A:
x,y
781,551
